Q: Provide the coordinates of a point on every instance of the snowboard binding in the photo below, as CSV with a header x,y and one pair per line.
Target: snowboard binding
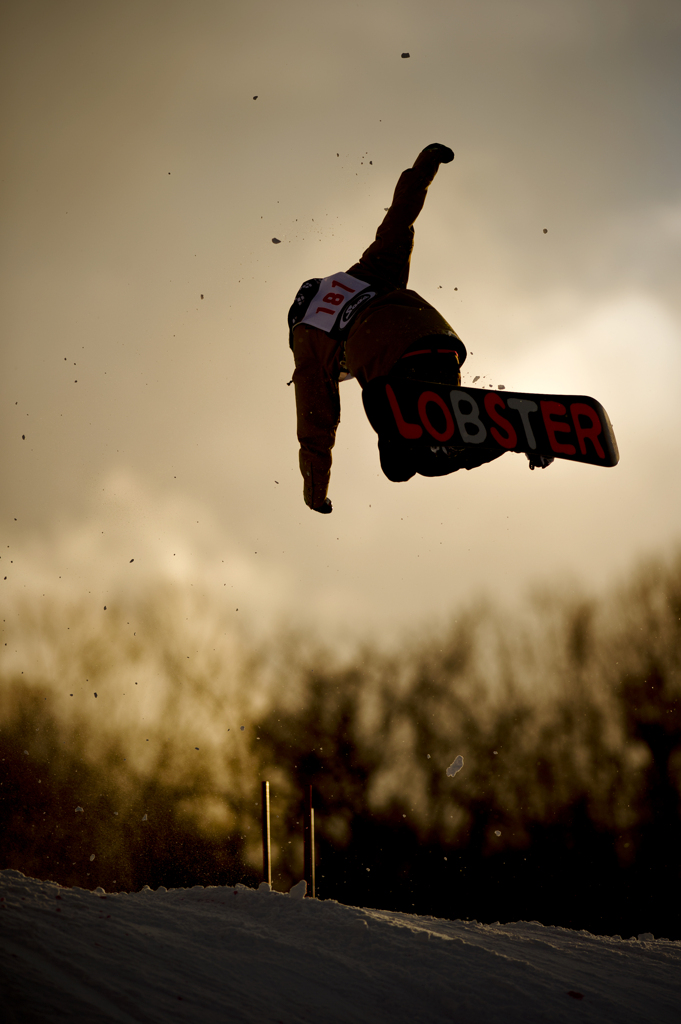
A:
x,y
538,461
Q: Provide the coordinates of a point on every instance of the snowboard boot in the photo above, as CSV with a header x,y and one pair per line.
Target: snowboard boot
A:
x,y
397,460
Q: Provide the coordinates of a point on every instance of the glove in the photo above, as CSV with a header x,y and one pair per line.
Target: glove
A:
x,y
325,508
539,461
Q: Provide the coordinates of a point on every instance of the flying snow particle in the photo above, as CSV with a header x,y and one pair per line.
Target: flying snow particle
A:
x,y
299,890
546,231
476,378
92,856
455,766
243,727
277,241
428,756
79,810
255,97
497,832
406,55
26,751
502,387
144,818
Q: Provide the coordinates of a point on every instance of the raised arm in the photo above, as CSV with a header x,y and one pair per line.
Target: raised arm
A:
x,y
386,261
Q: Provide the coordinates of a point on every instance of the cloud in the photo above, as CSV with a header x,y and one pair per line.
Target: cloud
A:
x,y
132,536
624,350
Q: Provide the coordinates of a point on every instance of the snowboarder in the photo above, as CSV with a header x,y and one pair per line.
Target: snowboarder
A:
x,y
366,323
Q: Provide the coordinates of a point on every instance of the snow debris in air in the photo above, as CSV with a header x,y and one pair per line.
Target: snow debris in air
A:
x,y
501,387
277,241
497,832
299,890
92,856
406,55
243,726
255,97
144,818
455,766
546,231
26,751
79,810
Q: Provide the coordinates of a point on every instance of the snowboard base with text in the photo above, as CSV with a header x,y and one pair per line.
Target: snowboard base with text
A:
x,y
573,427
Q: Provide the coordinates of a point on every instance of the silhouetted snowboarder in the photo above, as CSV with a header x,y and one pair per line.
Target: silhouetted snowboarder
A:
x,y
361,324
366,323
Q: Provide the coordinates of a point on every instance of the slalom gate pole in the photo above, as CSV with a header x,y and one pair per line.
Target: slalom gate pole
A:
x,y
308,844
266,846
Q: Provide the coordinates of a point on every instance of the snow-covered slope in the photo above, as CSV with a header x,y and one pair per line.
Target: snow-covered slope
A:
x,y
232,955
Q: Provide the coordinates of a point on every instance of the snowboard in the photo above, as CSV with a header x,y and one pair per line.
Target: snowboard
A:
x,y
543,427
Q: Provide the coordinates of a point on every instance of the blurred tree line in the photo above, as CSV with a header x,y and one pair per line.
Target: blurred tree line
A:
x,y
567,713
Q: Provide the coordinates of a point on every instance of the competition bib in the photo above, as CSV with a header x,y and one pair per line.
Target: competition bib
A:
x,y
335,303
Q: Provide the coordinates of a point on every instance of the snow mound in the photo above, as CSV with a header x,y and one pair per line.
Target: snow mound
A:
x,y
299,890
221,954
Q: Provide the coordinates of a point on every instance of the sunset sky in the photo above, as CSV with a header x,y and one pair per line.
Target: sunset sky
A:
x,y
143,421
